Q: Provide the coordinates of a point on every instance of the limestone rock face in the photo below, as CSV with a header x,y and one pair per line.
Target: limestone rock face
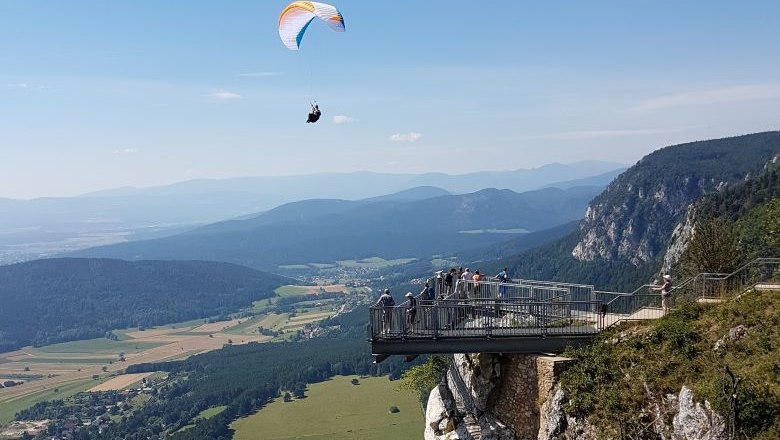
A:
x,y
459,407
632,221
681,236
695,421
552,420
479,374
437,414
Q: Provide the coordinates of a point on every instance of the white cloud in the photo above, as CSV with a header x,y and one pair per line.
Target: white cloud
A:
x,y
18,86
406,137
599,134
224,95
127,151
259,74
748,92
342,119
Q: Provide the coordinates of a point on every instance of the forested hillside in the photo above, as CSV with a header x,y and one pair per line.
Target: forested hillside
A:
x,y
628,227
56,300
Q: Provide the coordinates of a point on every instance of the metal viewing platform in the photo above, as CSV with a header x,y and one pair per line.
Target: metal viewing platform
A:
x,y
528,316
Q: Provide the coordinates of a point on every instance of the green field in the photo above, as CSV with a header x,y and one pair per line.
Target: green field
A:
x,y
290,291
375,262
210,412
9,409
97,346
337,410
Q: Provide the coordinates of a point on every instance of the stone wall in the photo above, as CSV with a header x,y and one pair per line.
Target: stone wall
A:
x,y
527,382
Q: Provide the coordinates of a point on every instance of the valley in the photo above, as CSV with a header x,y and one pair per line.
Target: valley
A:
x,y
60,370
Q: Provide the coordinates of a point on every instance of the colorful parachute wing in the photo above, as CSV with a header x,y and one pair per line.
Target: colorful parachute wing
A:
x,y
297,16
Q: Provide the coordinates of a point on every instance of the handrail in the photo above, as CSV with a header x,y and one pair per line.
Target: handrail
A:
x,y
492,308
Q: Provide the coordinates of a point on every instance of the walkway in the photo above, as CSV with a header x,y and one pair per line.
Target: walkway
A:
x,y
528,316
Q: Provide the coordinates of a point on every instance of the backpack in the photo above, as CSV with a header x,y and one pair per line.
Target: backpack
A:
x,y
388,301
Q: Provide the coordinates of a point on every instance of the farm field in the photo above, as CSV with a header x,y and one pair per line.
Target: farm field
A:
x,y
71,366
9,407
62,366
120,382
337,410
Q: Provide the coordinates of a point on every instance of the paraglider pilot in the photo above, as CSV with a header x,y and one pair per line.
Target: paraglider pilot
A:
x,y
314,114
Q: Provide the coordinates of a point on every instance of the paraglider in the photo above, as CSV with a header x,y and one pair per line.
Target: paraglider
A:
x,y
314,114
297,16
293,22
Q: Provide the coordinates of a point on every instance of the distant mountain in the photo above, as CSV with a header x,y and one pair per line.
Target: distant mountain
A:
x,y
276,190
43,227
418,193
330,230
629,227
63,299
599,180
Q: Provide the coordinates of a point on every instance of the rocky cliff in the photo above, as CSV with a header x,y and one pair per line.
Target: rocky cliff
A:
x,y
634,218
480,400
491,397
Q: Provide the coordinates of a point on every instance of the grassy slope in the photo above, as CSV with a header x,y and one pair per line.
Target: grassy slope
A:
x,y
337,410
607,383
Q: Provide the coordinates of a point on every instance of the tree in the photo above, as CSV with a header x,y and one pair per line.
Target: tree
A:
x,y
299,390
423,378
713,248
760,230
355,382
287,397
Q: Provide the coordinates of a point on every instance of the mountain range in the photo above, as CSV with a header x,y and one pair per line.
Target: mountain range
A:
x,y
326,230
45,227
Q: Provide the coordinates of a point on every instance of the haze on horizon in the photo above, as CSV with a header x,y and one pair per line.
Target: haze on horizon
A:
x,y
97,95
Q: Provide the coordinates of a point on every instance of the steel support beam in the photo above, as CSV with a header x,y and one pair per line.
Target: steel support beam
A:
x,y
476,345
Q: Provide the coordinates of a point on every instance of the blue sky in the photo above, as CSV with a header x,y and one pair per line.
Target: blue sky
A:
x,y
97,94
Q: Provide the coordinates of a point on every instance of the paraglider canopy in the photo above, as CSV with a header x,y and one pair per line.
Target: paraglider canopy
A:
x,y
296,17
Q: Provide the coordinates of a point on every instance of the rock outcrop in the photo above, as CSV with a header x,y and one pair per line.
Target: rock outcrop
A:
x,y
517,397
695,421
492,397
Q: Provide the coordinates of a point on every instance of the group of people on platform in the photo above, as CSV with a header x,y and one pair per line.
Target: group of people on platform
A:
x,y
466,283
461,280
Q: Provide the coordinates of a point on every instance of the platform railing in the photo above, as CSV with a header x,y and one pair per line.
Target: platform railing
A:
x,y
486,318
492,308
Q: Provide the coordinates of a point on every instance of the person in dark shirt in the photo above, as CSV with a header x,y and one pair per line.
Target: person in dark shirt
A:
x,y
411,311
314,114
448,279
386,302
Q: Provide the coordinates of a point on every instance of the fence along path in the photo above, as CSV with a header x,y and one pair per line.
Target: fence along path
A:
x,y
548,309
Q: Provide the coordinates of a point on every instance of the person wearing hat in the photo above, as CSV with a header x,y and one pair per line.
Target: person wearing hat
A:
x,y
387,302
411,311
666,293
